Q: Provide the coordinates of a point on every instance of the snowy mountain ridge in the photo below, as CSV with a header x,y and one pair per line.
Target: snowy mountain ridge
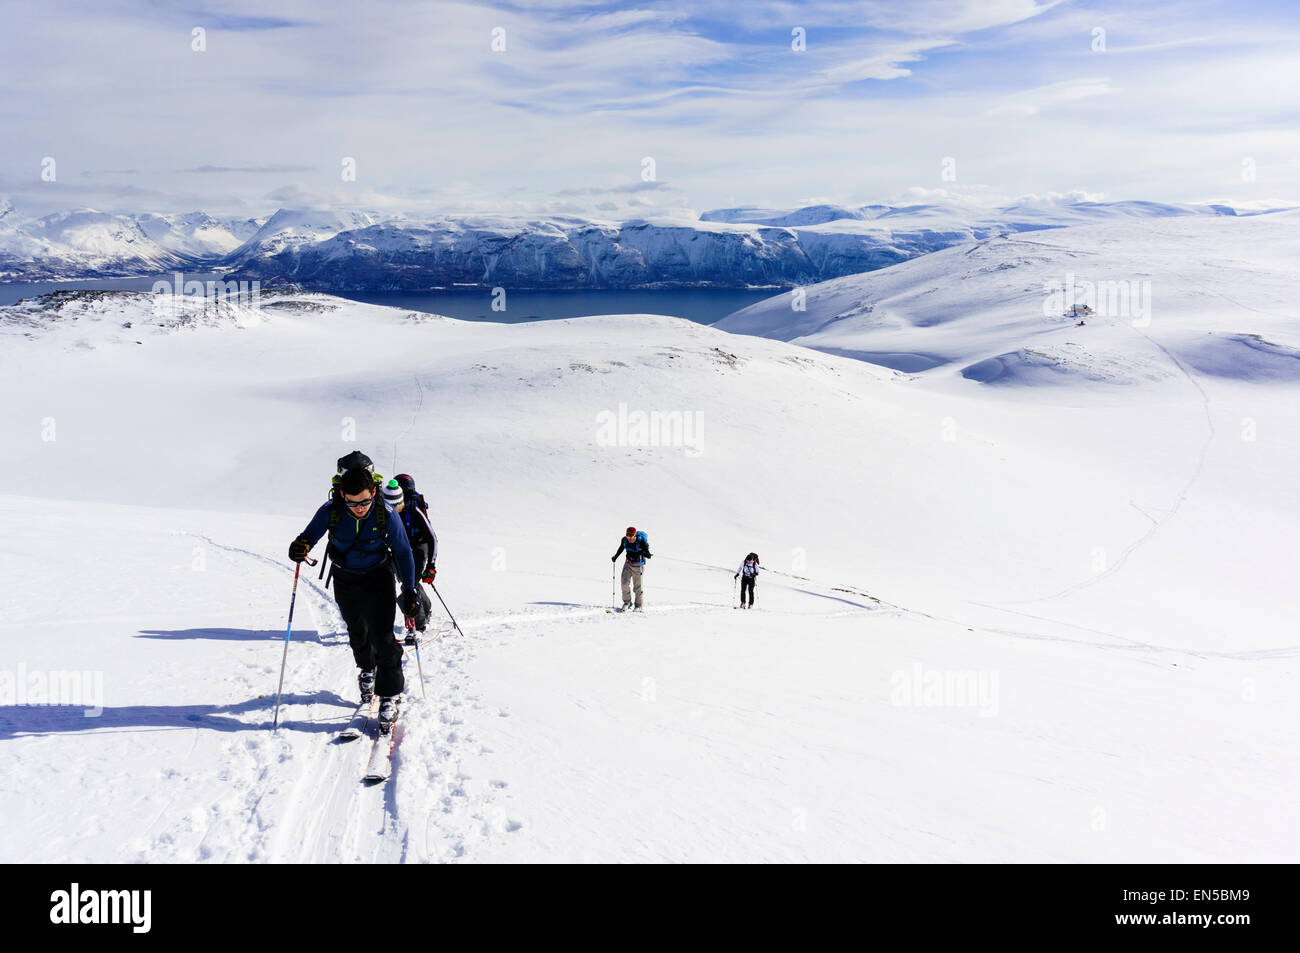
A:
x,y
85,243
350,250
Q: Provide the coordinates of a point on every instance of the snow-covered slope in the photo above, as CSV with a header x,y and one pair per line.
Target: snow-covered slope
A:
x,y
198,234
288,229
85,243
1213,294
1052,628
1018,216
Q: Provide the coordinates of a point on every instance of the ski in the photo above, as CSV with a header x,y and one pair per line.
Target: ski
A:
x,y
380,765
356,725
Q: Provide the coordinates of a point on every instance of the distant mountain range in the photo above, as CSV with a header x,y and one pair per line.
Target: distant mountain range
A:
x,y
340,251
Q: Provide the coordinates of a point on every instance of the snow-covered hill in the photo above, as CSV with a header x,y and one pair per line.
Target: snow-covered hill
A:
x,y
197,234
1018,216
84,243
1051,628
292,228
1211,294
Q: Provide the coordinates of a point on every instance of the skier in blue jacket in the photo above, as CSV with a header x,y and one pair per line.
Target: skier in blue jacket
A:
x,y
364,535
637,548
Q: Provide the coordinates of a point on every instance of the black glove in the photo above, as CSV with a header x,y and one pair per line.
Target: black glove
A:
x,y
430,573
299,549
614,558
737,576
409,603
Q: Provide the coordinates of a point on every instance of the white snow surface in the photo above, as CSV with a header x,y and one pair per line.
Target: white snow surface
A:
x,y
85,242
1047,622
288,228
1215,294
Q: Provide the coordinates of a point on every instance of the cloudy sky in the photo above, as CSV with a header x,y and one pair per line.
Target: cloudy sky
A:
x,y
737,103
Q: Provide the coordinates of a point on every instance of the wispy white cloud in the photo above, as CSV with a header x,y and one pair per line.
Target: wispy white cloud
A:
x,y
883,64
952,16
731,112
1031,102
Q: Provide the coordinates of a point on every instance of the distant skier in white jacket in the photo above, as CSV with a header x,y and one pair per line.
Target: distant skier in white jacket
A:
x,y
748,575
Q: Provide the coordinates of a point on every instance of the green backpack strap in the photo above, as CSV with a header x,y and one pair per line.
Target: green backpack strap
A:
x,y
379,502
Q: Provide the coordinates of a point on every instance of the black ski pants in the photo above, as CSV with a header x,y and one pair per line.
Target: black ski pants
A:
x,y
420,552
368,604
747,582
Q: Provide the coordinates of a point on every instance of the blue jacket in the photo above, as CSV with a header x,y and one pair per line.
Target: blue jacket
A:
x,y
638,551
359,547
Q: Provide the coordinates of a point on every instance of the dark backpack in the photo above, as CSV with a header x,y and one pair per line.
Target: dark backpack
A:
x,y
410,495
354,459
345,463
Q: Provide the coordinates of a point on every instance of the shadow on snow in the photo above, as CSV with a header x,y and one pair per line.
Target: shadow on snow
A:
x,y
35,720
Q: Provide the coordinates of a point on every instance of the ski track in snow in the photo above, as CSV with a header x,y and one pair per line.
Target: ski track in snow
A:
x,y
1156,524
296,795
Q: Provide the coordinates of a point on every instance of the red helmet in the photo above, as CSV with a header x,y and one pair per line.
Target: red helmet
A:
x,y
631,531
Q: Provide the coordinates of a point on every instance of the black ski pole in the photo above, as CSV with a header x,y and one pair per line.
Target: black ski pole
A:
x,y
444,606
284,657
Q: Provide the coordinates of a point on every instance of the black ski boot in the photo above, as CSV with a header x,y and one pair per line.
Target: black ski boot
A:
x,y
366,682
388,712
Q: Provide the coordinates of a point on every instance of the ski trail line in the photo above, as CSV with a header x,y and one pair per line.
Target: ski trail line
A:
x,y
1172,511
297,797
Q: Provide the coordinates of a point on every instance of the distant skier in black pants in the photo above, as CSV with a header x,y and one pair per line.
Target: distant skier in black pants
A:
x,y
748,575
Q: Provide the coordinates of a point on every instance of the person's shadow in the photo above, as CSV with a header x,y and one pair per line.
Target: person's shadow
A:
x,y
235,635
29,721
